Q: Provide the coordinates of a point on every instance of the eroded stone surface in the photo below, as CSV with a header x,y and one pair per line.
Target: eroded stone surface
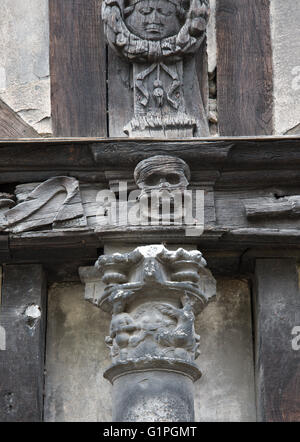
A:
x,y
285,24
24,61
76,356
225,391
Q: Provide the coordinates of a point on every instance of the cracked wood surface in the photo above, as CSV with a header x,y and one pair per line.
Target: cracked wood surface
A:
x,y
245,73
23,316
277,312
232,171
78,68
12,126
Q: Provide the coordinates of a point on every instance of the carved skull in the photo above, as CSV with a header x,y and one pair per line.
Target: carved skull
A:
x,y
169,177
162,172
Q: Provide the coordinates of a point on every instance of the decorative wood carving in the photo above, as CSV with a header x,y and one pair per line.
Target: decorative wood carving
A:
x,y
159,38
153,295
163,178
55,203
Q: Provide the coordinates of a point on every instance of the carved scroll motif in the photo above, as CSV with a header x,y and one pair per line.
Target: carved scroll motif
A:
x,y
153,295
157,36
55,203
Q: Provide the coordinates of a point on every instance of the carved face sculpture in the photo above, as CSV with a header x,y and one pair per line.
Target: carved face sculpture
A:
x,y
153,19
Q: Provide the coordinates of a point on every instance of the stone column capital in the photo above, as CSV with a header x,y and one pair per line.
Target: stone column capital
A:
x,y
153,295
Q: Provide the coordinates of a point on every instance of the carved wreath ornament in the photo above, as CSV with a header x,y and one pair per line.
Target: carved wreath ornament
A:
x,y
177,29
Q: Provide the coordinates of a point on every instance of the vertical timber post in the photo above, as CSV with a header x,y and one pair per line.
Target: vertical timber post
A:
x,y
22,317
277,313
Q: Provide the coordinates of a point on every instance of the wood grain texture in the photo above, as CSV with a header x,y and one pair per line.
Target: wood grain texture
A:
x,y
201,63
244,80
4,249
243,162
22,363
78,68
277,312
12,126
120,95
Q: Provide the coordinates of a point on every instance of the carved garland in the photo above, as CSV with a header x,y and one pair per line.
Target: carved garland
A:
x,y
173,48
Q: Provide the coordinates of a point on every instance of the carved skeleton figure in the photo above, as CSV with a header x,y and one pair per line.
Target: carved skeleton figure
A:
x,y
165,179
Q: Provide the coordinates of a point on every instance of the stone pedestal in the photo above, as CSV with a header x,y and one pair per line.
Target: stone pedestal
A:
x,y
153,295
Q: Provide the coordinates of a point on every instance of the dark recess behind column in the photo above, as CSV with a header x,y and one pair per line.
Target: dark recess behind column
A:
x,y
244,81
78,68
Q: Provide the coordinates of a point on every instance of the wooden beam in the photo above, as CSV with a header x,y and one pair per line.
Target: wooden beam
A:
x,y
267,161
244,79
78,68
23,316
277,313
13,126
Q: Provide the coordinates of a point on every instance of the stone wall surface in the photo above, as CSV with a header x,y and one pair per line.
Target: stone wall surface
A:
x,y
24,61
226,390
77,357
285,24
211,38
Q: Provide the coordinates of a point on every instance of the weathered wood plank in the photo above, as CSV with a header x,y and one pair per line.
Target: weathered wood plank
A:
x,y
4,248
78,71
80,153
201,63
277,312
120,97
105,154
12,126
244,80
23,314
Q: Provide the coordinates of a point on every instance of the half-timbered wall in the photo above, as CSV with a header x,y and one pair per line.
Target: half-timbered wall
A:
x,y
58,78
